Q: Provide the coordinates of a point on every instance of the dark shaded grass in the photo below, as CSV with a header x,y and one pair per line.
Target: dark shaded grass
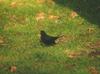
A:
x,y
88,9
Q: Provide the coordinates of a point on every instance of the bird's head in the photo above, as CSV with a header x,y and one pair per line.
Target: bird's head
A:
x,y
42,32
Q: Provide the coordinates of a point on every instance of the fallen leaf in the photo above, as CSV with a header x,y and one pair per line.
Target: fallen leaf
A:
x,y
40,1
13,69
91,30
53,17
63,38
12,17
13,4
72,54
94,45
16,4
73,14
94,53
1,40
1,1
93,70
40,16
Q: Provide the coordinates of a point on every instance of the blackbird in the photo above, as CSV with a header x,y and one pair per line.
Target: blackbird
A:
x,y
47,39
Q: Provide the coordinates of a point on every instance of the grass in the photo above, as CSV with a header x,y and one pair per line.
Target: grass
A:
x,y
20,25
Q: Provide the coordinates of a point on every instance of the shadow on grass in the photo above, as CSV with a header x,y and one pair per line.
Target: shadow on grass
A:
x,y
88,9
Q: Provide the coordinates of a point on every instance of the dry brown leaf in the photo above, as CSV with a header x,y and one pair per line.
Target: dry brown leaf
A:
x,y
40,1
13,69
63,39
72,54
12,17
95,45
93,70
16,4
73,14
40,16
1,40
53,17
1,1
13,4
94,53
91,30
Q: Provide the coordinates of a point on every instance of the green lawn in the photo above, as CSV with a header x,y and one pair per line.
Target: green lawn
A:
x,y
21,51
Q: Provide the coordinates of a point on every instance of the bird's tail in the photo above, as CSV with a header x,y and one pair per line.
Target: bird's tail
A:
x,y
60,39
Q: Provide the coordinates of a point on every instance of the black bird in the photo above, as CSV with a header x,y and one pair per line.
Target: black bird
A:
x,y
46,39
